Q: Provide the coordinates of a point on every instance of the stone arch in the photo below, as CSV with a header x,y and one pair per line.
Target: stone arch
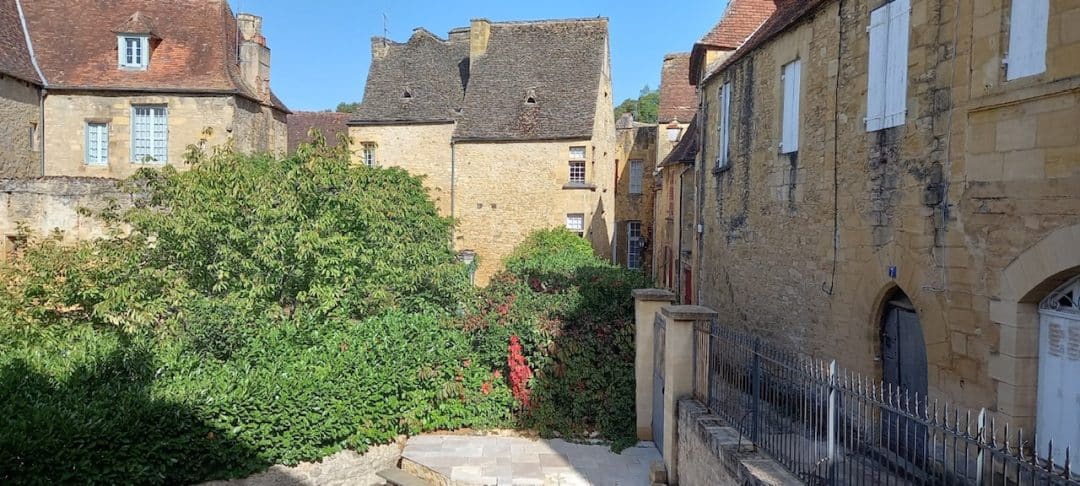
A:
x,y
1032,275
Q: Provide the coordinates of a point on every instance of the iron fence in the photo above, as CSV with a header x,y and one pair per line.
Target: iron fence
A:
x,y
831,426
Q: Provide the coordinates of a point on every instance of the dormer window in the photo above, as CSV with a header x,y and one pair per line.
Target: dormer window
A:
x,y
134,51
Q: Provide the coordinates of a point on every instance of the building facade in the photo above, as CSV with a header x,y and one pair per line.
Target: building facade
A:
x,y
136,83
635,169
894,184
20,99
510,123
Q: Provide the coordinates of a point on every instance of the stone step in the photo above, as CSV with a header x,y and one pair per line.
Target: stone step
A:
x,y
397,477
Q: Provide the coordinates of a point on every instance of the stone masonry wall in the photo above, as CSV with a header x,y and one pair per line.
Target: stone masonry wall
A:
x,y
20,109
49,203
636,143
982,171
258,128
420,149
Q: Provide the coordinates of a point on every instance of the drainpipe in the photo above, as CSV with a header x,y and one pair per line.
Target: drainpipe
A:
x,y
41,129
453,189
678,270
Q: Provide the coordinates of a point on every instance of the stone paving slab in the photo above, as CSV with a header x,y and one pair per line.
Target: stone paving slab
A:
x,y
502,460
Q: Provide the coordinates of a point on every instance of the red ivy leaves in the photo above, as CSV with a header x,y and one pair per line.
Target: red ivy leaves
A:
x,y
520,374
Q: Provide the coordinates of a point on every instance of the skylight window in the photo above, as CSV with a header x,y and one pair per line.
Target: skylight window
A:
x,y
134,51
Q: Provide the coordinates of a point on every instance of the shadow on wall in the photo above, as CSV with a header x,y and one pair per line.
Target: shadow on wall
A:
x,y
102,423
598,231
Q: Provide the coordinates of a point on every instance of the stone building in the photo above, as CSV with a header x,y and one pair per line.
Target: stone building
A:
x,y
635,166
331,125
20,99
896,185
133,83
510,123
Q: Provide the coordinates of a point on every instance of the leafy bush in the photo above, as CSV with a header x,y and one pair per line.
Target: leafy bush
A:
x,y
550,254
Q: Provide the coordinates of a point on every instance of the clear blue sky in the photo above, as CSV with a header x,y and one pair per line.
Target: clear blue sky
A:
x,y
321,48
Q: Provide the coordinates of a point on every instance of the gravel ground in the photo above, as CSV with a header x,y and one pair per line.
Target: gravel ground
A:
x,y
345,467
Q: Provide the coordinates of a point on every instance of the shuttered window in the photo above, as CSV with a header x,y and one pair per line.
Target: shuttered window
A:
x,y
1027,38
97,144
789,136
886,90
724,127
636,169
149,134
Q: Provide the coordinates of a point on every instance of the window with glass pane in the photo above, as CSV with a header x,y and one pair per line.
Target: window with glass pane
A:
x,y
577,153
133,51
149,134
577,171
633,244
636,168
97,144
368,153
576,222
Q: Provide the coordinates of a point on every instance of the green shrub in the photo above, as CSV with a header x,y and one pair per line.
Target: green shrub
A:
x,y
550,254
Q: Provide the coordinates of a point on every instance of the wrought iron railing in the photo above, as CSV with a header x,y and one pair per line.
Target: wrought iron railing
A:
x,y
831,426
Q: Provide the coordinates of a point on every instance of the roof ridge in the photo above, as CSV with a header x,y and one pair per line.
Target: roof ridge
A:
x,y
30,44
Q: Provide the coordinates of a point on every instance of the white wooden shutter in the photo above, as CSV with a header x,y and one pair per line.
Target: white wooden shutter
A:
x,y
1027,38
725,125
875,78
789,138
896,74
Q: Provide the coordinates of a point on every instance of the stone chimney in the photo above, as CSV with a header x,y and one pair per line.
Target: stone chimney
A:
x,y
479,33
380,47
254,55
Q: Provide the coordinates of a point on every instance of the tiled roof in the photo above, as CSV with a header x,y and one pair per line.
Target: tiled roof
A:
x,y
740,20
678,99
193,49
14,54
557,63
787,13
431,70
330,124
686,150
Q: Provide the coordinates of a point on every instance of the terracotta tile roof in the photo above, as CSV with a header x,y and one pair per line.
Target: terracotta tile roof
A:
x,y
193,47
678,99
787,13
14,54
330,124
740,20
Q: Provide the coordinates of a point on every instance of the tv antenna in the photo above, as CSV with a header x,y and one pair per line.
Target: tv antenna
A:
x,y
385,28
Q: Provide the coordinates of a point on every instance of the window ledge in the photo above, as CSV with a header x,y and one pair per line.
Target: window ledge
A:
x,y
579,185
721,170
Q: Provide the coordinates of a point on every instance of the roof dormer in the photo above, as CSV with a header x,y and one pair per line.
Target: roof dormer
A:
x,y
133,42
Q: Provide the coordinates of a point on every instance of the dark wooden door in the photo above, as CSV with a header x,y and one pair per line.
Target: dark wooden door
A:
x,y
904,371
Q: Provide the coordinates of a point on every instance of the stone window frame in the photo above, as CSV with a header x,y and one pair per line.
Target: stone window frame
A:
x,y
575,222
138,53
369,153
634,245
87,142
153,132
637,179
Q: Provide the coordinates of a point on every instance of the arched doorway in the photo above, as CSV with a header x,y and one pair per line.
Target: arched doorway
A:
x,y
904,371
1059,369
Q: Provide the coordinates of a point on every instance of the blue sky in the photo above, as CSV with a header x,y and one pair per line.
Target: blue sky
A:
x,y
321,48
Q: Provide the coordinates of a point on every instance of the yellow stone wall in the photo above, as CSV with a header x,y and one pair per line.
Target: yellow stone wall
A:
x,y
636,143
419,149
983,173
19,109
250,127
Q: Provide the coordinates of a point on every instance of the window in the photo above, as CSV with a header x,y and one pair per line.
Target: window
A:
x,y
1027,38
577,165
886,83
789,134
636,168
367,153
149,134
633,244
577,153
575,222
724,127
33,138
134,51
97,144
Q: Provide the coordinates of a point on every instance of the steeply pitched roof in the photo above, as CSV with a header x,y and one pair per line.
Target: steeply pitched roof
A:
x,y
330,125
678,99
740,20
556,63
787,13
422,80
686,150
14,53
194,50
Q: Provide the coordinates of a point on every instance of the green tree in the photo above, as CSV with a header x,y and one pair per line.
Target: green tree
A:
x,y
644,107
346,107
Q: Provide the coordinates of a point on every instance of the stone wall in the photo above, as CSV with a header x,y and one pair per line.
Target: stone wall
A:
x,y
46,204
420,149
635,143
711,452
982,171
20,110
250,127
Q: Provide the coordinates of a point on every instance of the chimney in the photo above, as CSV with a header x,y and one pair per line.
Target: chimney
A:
x,y
479,33
380,47
254,55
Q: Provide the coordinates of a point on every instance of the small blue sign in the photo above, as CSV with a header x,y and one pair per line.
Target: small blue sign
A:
x,y
892,271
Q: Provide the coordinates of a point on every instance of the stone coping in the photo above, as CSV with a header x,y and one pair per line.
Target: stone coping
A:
x,y
687,312
653,295
747,463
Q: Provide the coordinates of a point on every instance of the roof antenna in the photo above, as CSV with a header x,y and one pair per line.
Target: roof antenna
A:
x,y
385,28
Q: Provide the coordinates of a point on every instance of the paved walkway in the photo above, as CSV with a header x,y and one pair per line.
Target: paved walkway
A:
x,y
497,460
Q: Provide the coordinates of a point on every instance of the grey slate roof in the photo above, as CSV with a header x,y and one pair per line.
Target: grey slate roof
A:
x,y
431,69
559,63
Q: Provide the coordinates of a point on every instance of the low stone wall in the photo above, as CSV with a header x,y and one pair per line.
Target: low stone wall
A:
x,y
47,203
710,452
